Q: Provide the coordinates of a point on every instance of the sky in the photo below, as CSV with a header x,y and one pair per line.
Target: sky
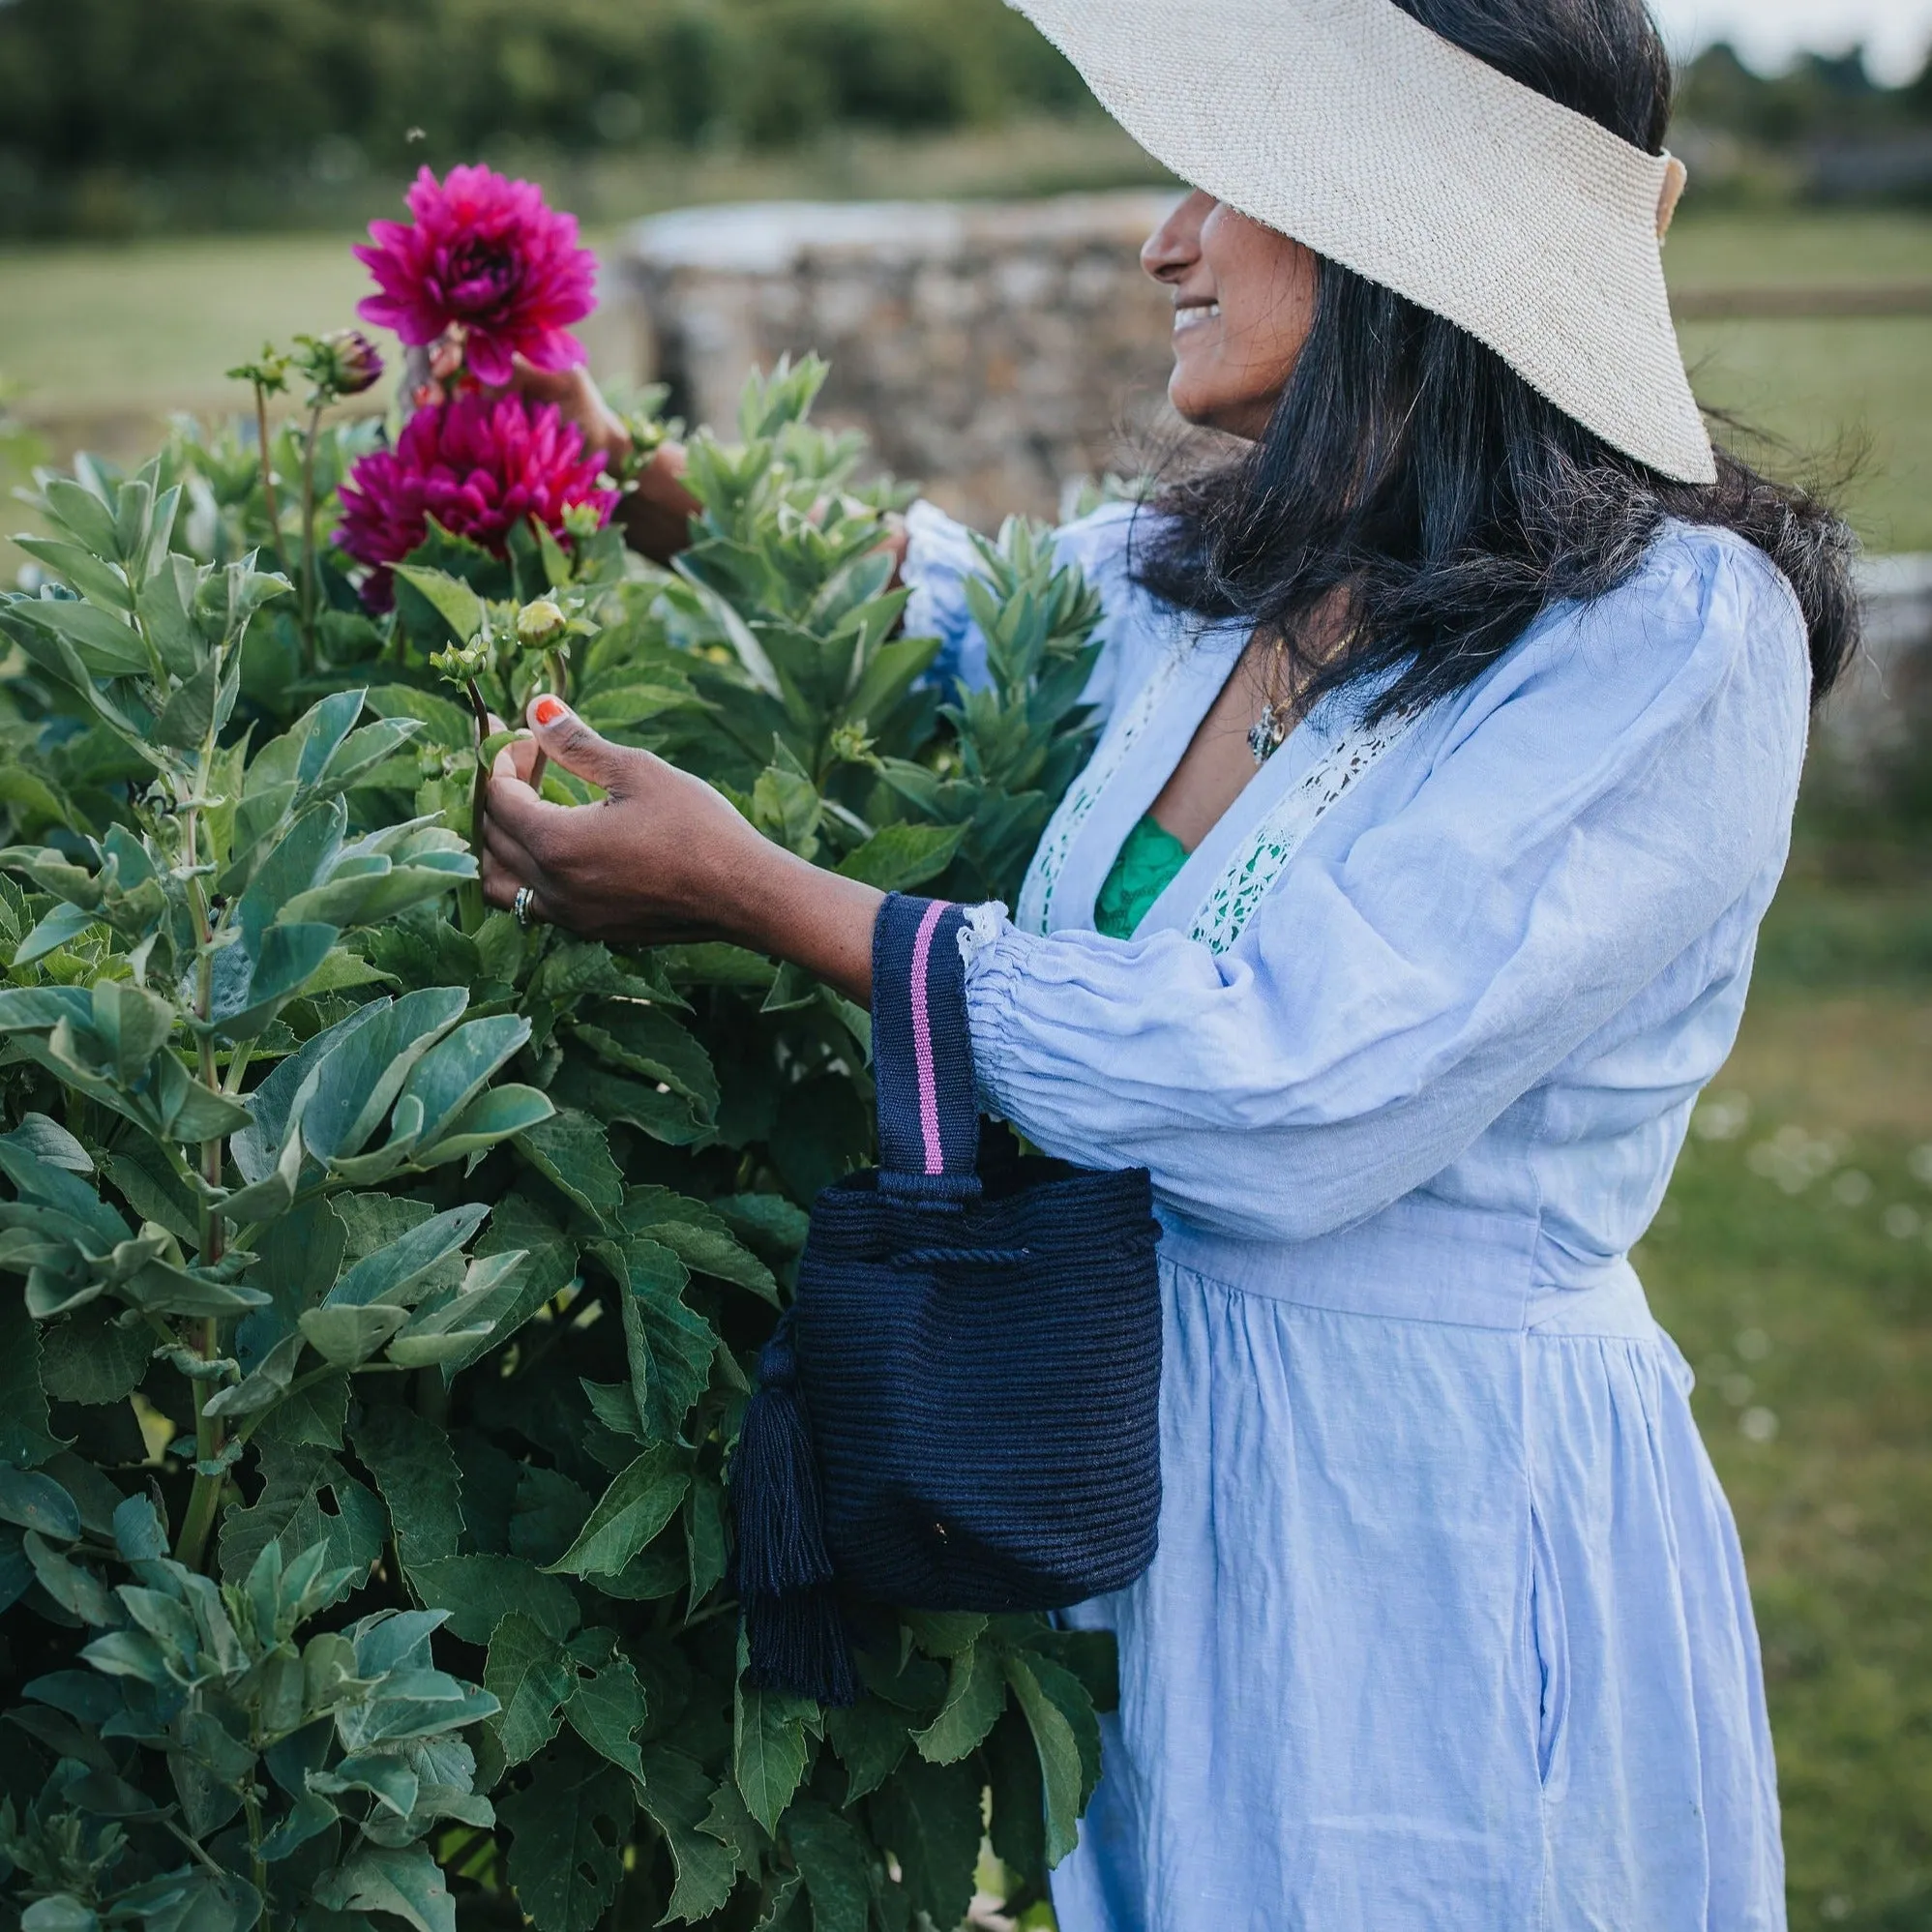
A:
x,y
1769,32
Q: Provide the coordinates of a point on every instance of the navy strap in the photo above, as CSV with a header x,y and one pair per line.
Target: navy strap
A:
x,y
922,1051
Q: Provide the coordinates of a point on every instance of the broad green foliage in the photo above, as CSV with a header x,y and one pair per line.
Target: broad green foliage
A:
x,y
382,1279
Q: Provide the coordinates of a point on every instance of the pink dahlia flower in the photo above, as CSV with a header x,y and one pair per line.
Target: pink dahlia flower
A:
x,y
488,259
479,467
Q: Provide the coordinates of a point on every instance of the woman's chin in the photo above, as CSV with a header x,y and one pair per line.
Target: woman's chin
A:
x,y
1204,406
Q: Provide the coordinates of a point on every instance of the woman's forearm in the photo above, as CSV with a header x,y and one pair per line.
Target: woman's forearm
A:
x,y
812,918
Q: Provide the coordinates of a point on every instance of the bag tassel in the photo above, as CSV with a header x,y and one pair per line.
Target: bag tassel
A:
x,y
794,1630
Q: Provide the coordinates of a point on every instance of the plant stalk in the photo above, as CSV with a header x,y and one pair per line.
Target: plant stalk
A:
x,y
268,476
558,683
204,1500
308,533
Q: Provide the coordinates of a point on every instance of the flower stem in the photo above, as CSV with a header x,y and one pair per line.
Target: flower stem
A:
x,y
204,1502
560,683
308,531
268,476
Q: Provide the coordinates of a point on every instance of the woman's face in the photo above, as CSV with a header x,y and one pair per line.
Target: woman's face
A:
x,y
1243,300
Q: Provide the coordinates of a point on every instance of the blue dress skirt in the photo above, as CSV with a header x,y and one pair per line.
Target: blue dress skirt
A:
x,y
1448,1626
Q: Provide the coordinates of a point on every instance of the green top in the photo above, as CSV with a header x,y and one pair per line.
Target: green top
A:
x,y
1148,858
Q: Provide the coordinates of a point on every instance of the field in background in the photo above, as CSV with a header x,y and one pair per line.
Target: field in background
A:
x,y
1793,1264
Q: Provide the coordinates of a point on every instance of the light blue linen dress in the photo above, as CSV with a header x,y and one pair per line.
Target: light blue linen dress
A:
x,y
1449,1627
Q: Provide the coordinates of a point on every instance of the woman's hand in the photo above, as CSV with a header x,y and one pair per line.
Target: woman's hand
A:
x,y
657,513
662,858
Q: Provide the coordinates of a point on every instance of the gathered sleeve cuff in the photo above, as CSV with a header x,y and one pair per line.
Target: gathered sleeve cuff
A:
x,y
1584,824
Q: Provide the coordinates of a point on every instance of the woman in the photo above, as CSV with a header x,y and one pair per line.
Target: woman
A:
x,y
1453,732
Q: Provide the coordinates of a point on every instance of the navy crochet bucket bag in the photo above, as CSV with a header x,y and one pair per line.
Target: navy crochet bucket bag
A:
x,y
959,1410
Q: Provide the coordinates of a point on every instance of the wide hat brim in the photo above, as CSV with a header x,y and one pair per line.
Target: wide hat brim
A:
x,y
1351,127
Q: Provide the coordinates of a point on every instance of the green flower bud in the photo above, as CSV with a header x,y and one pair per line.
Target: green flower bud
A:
x,y
458,665
539,622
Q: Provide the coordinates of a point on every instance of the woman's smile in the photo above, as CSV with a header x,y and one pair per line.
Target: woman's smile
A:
x,y
1191,315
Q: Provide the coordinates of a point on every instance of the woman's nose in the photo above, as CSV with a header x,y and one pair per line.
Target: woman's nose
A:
x,y
1175,247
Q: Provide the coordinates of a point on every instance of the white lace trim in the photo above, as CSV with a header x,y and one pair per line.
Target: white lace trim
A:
x,y
1043,875
1259,860
983,926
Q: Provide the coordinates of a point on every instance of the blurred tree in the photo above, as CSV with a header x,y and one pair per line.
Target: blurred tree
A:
x,y
125,84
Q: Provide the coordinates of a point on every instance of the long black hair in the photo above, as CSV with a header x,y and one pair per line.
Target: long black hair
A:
x,y
1411,467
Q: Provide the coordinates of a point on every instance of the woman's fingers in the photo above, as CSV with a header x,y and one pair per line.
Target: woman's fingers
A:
x,y
514,759
568,742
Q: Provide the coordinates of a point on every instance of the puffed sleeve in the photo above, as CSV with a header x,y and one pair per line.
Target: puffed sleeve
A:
x,y
1619,780
940,559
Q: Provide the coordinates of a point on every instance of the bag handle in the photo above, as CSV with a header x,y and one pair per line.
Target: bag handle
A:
x,y
922,1051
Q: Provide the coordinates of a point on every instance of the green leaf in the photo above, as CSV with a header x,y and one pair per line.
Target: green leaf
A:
x,y
1058,1753
898,857
479,1591
568,1828
531,1675
25,1438
606,1706
199,707
946,1633
832,1860
394,1271
93,1357
407,1882
637,1505
256,1147
83,515
346,1336
705,1536
104,646
454,1071
677,1795
447,723
417,1478
646,1040
573,1153
870,1738
702,1239
928,1816
62,1912
38,1503
1071,1698
1018,1828
499,1115
769,1750
451,599
668,1347
355,1082
975,1696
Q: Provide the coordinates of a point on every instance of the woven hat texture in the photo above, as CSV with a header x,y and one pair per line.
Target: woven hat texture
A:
x,y
1353,128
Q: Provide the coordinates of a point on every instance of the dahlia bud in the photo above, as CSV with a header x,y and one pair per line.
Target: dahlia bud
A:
x,y
459,663
342,362
538,623
583,520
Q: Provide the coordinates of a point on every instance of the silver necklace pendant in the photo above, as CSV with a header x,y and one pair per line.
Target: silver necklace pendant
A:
x,y
1265,734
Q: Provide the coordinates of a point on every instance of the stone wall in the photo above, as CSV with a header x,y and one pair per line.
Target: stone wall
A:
x,y
992,351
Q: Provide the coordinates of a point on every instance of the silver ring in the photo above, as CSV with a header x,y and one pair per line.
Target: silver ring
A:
x,y
520,905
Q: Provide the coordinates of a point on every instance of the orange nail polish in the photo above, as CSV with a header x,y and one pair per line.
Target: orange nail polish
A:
x,y
547,710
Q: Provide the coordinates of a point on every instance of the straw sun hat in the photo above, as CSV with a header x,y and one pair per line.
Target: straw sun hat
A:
x,y
1353,128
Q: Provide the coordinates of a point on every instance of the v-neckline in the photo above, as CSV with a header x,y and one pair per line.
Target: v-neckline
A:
x,y
1191,679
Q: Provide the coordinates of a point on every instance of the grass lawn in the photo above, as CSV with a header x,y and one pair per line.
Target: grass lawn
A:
x,y
1793,1262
